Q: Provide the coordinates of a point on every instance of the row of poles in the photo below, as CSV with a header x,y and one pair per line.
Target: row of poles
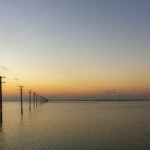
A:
x,y
36,98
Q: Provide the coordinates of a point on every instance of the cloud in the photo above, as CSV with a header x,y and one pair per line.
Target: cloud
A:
x,y
3,68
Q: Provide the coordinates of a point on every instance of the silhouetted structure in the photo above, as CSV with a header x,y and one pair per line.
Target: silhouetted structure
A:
x,y
1,119
21,99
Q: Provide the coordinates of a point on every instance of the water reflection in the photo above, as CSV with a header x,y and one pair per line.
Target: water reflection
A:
x,y
21,108
1,128
77,126
34,100
30,100
1,115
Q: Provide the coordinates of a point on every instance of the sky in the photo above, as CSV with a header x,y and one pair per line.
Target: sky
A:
x,y
76,49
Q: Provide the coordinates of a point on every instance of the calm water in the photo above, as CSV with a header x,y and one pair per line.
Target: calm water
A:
x,y
77,126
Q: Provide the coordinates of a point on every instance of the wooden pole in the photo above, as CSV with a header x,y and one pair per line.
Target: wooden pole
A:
x,y
1,100
21,99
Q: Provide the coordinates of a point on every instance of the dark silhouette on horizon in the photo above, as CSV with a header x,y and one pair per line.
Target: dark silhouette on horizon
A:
x,y
1,101
21,99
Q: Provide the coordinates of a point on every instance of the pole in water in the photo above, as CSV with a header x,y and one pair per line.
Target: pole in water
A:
x,y
30,100
1,101
21,99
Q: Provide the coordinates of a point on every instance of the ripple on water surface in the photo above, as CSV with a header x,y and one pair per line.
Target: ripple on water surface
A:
x,y
76,126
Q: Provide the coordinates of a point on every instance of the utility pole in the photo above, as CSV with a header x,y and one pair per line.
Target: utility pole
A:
x,y
1,101
21,99
30,100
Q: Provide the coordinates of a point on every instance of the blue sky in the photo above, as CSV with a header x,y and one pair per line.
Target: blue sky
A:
x,y
90,42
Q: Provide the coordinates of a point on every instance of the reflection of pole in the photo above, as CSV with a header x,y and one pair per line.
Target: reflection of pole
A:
x,y
30,100
36,100
21,99
1,100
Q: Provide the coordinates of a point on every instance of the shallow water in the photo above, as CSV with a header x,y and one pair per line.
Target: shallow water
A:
x,y
76,126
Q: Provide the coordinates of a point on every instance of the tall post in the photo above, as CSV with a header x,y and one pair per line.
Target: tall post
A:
x,y
21,99
30,100
1,101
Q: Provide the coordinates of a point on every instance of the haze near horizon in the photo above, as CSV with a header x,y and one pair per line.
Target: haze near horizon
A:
x,y
76,49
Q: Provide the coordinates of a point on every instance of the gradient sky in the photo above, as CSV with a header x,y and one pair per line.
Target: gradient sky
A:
x,y
79,49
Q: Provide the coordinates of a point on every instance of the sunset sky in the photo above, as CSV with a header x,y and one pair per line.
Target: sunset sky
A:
x,y
76,49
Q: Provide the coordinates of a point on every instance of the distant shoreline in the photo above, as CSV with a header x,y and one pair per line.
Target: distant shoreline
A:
x,y
82,100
